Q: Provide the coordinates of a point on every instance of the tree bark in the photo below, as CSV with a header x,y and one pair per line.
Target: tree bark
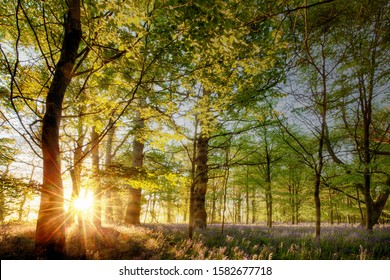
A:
x,y
50,233
317,203
133,210
200,184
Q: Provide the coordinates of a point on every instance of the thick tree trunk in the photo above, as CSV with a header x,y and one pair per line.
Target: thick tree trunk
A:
x,y
369,203
380,203
133,210
200,185
50,233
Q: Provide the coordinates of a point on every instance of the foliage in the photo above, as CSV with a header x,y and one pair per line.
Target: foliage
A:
x,y
167,242
291,99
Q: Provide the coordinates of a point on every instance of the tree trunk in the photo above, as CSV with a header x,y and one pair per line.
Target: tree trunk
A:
x,y
247,196
268,190
21,207
97,198
200,185
169,207
109,212
331,214
133,210
50,233
362,219
192,185
254,208
297,204
239,206
380,203
224,187
214,203
317,205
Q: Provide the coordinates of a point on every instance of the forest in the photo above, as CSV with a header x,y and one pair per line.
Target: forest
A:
x,y
194,129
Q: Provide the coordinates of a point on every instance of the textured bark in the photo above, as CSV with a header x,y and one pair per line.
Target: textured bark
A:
x,y
200,185
50,233
133,210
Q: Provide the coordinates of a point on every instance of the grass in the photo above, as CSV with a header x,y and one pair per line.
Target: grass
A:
x,y
238,242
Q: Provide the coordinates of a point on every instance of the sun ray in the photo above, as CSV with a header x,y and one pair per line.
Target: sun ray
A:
x,y
83,204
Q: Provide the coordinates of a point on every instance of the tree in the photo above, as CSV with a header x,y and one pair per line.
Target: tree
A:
x,y
133,210
50,234
366,68
315,58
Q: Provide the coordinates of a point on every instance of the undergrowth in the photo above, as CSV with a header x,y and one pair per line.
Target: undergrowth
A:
x,y
237,242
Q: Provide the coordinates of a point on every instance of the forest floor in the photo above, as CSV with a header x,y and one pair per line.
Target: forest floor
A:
x,y
237,242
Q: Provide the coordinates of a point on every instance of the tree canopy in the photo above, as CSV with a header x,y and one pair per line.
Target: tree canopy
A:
x,y
194,112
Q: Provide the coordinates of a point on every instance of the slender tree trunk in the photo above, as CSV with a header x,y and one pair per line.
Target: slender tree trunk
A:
x,y
268,190
193,176
291,201
331,218
24,198
214,203
50,233
254,208
169,207
297,204
247,196
133,210
109,212
225,185
317,205
239,206
21,207
153,209
97,217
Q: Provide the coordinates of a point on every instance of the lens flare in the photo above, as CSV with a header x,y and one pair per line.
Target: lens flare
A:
x,y
85,201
